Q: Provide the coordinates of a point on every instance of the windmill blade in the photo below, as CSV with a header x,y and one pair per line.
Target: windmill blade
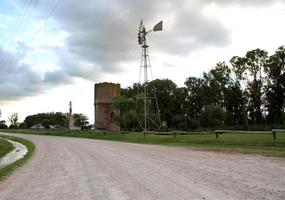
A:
x,y
158,26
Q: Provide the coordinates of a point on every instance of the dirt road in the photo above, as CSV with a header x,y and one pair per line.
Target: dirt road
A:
x,y
72,168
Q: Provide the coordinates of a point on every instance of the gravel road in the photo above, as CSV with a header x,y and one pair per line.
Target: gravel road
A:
x,y
73,168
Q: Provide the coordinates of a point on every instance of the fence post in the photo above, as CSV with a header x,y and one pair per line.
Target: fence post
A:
x,y
274,134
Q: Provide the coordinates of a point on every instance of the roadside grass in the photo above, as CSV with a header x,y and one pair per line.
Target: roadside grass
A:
x,y
4,172
262,144
5,147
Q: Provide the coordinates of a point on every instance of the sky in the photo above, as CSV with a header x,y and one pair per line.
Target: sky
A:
x,y
53,52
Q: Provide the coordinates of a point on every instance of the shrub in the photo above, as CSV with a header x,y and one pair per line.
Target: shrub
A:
x,y
212,116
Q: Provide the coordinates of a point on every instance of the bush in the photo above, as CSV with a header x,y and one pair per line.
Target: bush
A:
x,y
192,123
22,125
182,122
212,116
177,119
3,124
13,126
182,126
46,123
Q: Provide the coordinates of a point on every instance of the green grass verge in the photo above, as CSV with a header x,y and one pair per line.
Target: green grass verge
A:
x,y
228,142
5,147
4,172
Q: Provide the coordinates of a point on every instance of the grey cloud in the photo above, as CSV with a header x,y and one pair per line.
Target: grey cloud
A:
x,y
103,35
105,32
192,31
17,80
57,77
244,3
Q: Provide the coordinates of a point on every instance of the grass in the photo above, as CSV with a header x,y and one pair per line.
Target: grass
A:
x,y
5,147
228,142
4,172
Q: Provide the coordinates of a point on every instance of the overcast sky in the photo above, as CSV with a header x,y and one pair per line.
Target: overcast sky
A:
x,y
52,52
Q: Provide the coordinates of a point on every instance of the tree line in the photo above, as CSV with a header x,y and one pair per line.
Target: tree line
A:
x,y
47,120
248,91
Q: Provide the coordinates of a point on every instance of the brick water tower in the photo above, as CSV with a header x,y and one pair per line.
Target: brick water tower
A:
x,y
103,95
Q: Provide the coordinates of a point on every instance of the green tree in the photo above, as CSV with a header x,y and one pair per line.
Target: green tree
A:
x,y
236,98
235,105
180,101
165,93
22,125
255,60
194,103
57,118
212,116
184,122
46,123
80,120
125,113
275,89
239,68
3,124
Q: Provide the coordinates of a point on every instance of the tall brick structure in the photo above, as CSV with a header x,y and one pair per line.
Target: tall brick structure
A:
x,y
104,92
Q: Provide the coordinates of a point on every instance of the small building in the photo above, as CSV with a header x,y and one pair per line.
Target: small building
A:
x,y
103,95
37,126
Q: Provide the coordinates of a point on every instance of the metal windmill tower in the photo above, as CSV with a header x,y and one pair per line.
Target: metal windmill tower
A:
x,y
151,114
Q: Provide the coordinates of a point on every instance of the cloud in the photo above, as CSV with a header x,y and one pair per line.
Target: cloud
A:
x,y
17,79
102,38
244,3
104,33
57,77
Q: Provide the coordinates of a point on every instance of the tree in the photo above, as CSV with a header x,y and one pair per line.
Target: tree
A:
x,y
46,123
184,122
236,100
13,119
212,116
57,118
3,124
255,61
194,97
22,125
239,68
165,91
180,101
80,120
125,115
275,89
235,105
217,82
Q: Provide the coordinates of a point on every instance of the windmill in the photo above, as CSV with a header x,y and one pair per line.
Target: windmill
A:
x,y
149,115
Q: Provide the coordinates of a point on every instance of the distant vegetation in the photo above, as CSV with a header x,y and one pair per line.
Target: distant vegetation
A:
x,y
247,93
47,120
